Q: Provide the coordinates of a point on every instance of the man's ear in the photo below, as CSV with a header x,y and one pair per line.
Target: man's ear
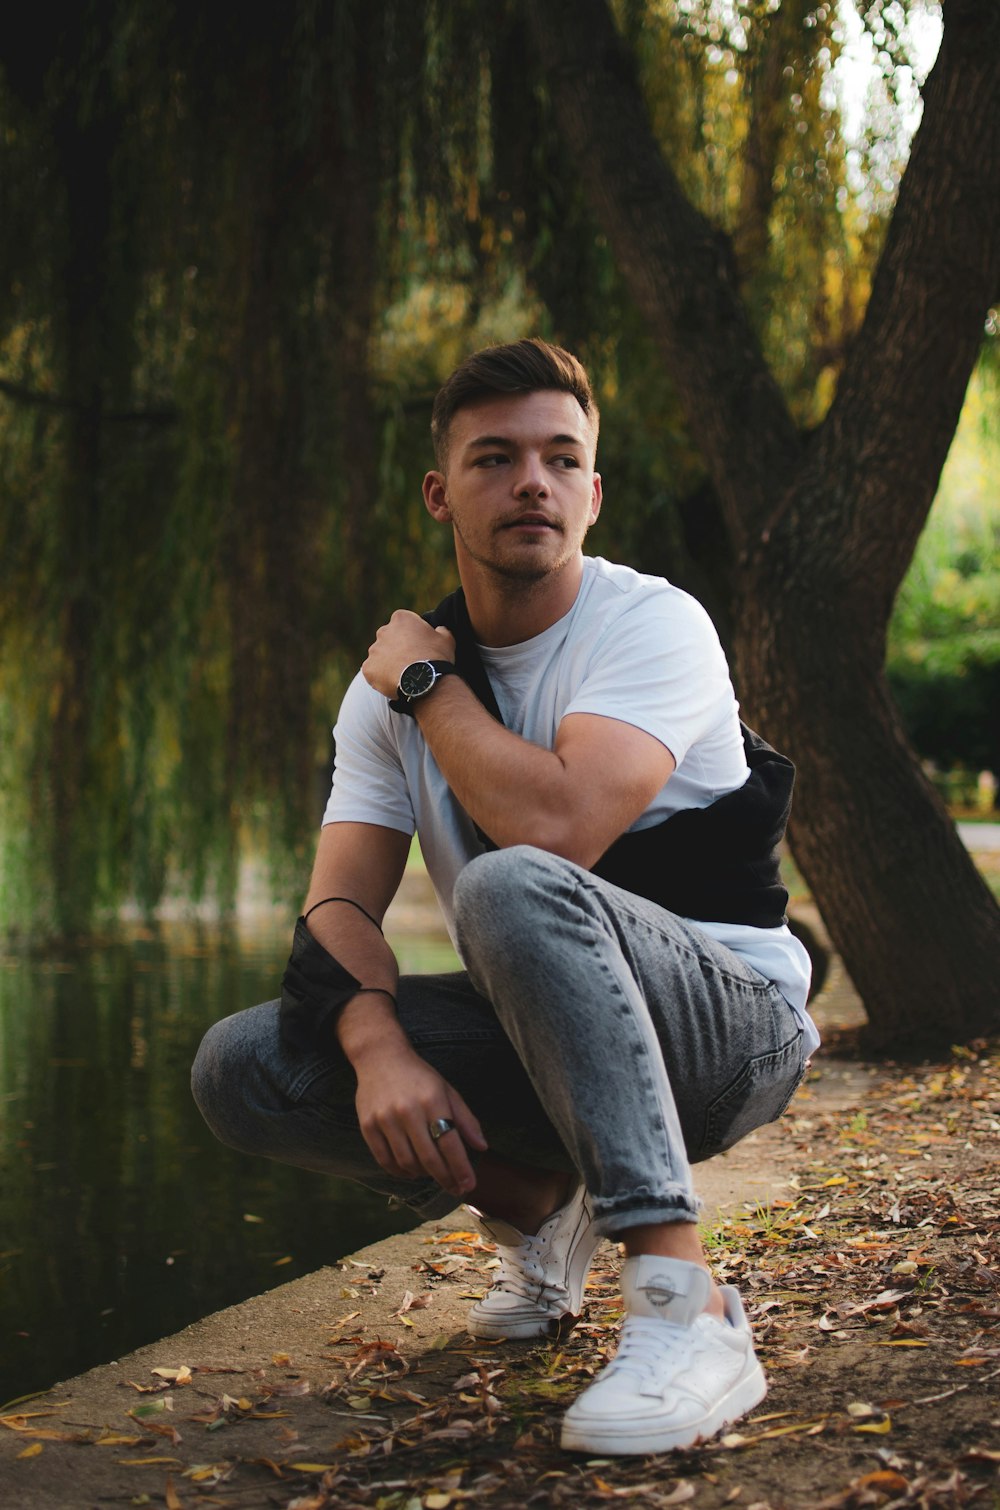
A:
x,y
436,497
596,498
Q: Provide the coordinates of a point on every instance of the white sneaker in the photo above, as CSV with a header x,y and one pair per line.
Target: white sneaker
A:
x,y
679,1375
539,1289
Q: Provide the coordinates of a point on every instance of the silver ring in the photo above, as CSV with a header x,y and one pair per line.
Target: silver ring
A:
x,y
439,1127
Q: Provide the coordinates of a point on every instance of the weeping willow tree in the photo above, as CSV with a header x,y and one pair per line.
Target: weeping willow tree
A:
x,y
199,227
239,251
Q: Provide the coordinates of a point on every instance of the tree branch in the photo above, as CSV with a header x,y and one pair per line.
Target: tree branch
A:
x,y
679,268
768,97
888,432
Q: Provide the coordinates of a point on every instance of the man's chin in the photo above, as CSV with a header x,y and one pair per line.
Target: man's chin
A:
x,y
526,571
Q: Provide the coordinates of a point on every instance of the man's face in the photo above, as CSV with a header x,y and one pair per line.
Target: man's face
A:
x,y
520,488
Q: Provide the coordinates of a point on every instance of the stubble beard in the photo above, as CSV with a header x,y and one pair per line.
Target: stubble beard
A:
x,y
517,568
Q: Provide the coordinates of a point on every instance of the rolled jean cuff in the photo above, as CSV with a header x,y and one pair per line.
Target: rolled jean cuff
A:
x,y
615,1216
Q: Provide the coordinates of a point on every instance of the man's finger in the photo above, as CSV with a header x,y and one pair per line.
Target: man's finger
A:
x,y
445,1159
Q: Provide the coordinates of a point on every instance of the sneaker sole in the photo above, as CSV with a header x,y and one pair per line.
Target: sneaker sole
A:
x,y
494,1330
645,1437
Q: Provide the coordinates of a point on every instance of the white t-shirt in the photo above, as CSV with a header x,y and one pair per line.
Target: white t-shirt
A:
x,y
633,648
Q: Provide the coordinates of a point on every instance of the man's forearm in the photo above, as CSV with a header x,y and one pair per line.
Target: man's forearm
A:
x,y
368,1019
516,791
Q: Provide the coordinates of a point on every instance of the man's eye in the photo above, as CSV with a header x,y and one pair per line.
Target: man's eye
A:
x,y
490,461
566,461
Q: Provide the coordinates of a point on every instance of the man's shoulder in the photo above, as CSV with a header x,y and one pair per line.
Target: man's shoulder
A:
x,y
622,589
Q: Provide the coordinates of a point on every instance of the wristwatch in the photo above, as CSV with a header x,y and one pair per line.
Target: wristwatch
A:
x,y
419,677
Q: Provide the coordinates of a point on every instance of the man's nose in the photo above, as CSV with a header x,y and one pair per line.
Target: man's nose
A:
x,y
530,480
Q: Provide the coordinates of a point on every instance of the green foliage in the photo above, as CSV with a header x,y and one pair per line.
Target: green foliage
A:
x,y
944,644
239,249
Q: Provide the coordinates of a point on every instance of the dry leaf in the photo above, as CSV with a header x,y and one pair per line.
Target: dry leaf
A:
x,y
884,1479
180,1375
32,1451
677,1496
878,1428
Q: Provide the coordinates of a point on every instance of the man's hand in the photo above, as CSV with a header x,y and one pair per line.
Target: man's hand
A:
x,y
399,1096
406,638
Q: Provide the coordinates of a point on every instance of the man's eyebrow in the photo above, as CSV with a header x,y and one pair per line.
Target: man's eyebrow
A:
x,y
505,440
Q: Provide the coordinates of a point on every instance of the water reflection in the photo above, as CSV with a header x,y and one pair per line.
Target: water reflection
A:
x,y
121,1218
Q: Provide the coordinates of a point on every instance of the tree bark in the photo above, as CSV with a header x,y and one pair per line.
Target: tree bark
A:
x,y
825,531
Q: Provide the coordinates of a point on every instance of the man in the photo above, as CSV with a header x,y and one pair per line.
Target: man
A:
x,y
562,735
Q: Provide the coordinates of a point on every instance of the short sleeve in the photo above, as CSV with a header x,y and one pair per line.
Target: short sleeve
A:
x,y
660,667
369,785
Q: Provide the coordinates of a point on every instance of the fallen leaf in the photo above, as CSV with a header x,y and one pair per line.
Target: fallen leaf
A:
x,y
812,1428
170,1495
884,1479
32,1451
208,1473
154,1408
413,1302
877,1428
268,1463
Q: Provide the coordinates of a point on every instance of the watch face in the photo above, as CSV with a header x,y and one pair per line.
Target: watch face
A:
x,y
417,679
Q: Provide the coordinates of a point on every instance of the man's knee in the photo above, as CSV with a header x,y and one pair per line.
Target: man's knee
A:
x,y
508,899
220,1078
502,878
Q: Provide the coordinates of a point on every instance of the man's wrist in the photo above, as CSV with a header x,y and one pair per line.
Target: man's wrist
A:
x,y
368,1026
417,681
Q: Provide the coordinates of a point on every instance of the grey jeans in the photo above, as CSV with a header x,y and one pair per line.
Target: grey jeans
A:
x,y
593,1031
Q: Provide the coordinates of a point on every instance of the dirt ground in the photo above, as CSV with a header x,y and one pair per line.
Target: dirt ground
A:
x,y
873,1284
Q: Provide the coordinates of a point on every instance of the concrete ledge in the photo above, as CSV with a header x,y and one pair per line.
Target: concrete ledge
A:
x,y
284,1378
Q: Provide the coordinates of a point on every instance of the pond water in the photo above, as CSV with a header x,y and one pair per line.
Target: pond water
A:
x,y
121,1218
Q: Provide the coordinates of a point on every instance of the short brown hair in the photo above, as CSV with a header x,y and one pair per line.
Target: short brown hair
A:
x,y
528,366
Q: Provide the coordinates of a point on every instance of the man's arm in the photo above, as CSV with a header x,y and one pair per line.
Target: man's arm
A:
x,y
399,1093
574,800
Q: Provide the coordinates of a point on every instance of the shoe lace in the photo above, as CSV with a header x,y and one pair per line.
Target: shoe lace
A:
x,y
649,1346
522,1272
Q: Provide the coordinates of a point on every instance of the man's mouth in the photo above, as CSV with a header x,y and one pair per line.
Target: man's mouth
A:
x,y
532,522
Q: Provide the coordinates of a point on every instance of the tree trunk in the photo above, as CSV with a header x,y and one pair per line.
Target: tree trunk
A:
x,y
824,533
906,910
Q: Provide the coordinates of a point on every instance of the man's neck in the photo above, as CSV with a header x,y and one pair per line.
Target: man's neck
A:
x,y
505,611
